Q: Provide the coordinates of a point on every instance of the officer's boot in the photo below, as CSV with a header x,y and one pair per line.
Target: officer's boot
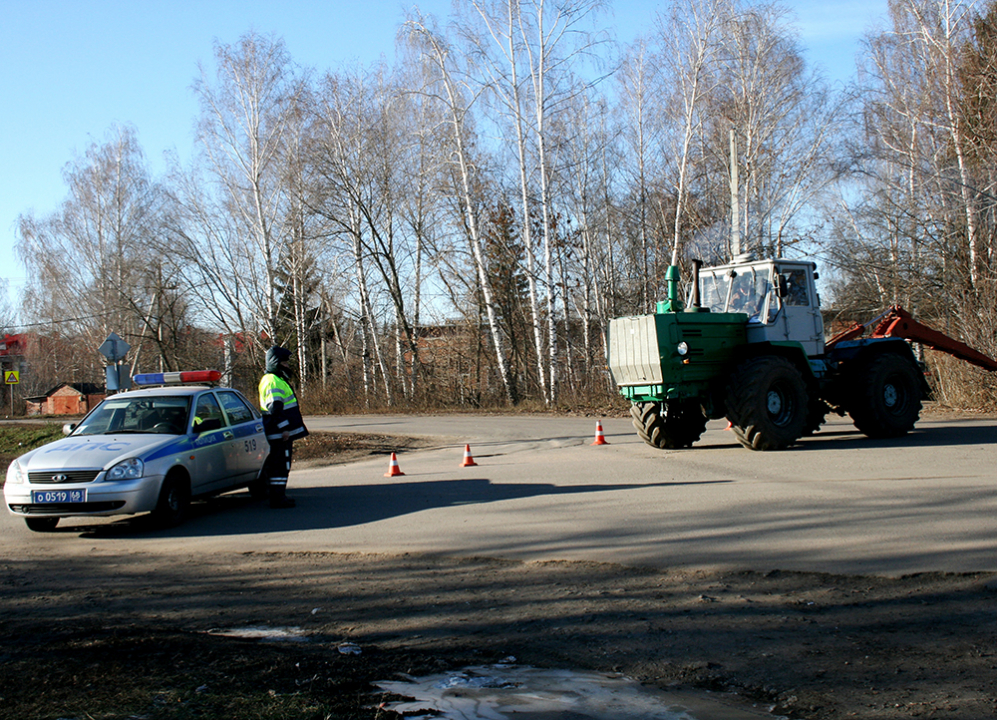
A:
x,y
277,497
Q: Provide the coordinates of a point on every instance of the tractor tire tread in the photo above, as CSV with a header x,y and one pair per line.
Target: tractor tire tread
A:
x,y
747,394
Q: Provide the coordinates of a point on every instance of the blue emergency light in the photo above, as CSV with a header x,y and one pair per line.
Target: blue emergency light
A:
x,y
177,378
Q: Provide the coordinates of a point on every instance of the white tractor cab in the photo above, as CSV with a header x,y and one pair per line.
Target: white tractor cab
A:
x,y
778,296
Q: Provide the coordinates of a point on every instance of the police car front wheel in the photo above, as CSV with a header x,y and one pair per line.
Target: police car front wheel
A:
x,y
174,500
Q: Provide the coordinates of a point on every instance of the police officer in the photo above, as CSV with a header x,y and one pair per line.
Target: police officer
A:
x,y
282,422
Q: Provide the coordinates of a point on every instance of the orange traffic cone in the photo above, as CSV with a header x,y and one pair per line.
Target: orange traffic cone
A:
x,y
393,469
468,460
600,439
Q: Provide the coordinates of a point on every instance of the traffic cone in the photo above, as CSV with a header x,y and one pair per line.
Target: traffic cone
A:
x,y
600,439
393,469
468,460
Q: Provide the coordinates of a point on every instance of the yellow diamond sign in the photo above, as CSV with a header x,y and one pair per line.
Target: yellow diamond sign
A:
x,y
11,377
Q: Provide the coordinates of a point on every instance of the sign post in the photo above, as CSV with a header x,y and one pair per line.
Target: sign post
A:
x,y
11,378
115,349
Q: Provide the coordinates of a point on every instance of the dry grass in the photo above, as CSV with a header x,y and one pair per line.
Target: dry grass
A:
x,y
16,438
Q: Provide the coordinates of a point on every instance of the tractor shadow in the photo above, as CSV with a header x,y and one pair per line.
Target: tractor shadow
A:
x,y
927,433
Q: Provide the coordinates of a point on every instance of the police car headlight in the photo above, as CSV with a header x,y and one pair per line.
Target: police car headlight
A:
x,y
129,469
682,348
16,474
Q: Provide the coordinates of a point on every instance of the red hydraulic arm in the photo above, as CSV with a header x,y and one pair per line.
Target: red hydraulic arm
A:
x,y
897,322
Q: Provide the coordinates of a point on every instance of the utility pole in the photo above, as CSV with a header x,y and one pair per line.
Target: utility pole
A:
x,y
735,209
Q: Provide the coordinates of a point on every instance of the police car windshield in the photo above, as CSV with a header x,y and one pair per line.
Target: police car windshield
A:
x,y
160,415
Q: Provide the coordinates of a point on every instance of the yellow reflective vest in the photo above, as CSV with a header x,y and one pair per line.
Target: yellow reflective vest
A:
x,y
280,409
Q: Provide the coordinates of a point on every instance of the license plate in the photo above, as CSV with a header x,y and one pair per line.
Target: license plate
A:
x,y
45,497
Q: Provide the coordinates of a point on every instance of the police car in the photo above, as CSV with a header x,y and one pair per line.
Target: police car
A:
x,y
148,450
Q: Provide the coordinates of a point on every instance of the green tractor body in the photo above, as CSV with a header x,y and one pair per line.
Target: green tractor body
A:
x,y
751,348
673,355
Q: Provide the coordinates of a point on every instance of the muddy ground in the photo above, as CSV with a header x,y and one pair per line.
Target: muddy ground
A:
x,y
130,636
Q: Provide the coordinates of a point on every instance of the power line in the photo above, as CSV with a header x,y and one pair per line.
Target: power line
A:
x,y
17,326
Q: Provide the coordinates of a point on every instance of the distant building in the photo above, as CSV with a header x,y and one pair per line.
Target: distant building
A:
x,y
15,345
35,405
68,399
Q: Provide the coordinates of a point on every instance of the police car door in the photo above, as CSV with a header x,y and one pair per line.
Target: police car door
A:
x,y
212,438
249,445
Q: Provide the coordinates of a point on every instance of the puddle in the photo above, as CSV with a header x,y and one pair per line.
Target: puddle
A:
x,y
511,692
263,632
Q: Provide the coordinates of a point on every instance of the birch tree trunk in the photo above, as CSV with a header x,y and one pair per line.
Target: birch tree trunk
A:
x,y
456,110
688,46
942,28
502,24
244,118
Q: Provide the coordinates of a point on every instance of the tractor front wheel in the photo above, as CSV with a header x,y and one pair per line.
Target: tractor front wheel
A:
x,y
887,397
767,403
669,425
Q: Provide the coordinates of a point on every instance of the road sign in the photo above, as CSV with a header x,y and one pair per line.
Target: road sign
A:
x,y
117,377
114,348
11,377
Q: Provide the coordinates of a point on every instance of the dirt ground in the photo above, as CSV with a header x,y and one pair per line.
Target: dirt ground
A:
x,y
133,637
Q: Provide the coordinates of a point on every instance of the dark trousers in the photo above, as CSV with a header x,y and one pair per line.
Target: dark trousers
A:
x,y
279,462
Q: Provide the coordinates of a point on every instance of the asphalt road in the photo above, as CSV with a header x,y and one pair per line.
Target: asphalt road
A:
x,y
838,502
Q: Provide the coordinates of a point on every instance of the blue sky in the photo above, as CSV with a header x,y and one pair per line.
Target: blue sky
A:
x,y
70,69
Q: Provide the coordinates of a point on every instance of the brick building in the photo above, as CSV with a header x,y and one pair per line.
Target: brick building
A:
x,y
68,399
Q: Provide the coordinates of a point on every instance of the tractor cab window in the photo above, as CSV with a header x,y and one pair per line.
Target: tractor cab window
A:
x,y
744,290
795,290
714,291
748,293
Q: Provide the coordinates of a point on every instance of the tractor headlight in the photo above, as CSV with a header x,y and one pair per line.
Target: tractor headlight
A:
x,y
682,349
129,469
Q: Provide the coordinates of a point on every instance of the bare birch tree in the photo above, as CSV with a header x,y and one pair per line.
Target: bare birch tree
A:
x,y
915,132
457,106
785,122
503,77
95,266
526,49
687,41
246,115
639,89
347,193
941,29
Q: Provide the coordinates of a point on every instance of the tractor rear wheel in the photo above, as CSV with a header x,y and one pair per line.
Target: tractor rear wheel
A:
x,y
669,425
767,403
887,397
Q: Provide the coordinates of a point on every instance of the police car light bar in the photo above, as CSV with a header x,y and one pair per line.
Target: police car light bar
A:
x,y
177,378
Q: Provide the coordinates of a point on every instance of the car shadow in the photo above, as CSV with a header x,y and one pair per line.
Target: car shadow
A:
x,y
345,506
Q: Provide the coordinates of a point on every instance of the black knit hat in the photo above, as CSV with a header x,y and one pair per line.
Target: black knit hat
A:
x,y
275,356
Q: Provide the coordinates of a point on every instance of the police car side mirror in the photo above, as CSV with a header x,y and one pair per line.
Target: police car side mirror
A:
x,y
68,428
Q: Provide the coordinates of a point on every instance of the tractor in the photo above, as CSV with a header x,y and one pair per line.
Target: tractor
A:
x,y
750,347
